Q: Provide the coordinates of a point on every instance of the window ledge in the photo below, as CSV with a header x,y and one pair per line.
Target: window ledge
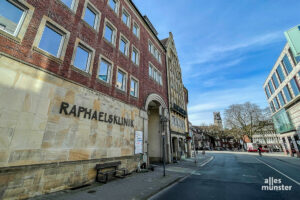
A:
x,y
103,82
66,7
10,36
124,55
84,73
134,97
50,56
120,91
109,43
91,27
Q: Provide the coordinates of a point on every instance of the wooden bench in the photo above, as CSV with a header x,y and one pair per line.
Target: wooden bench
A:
x,y
113,171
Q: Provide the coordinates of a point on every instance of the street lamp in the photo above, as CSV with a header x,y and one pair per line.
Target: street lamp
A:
x,y
164,121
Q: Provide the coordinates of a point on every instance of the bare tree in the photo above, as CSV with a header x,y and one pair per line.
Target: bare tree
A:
x,y
244,119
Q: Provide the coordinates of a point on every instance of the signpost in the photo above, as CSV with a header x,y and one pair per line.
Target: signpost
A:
x,y
138,142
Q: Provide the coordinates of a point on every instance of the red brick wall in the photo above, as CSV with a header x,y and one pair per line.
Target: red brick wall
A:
x,y
55,10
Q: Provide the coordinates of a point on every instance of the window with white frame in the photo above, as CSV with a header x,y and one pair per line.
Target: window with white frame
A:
x,y
12,15
52,40
105,69
72,4
136,30
82,59
155,74
121,80
92,16
154,51
114,5
135,56
134,87
110,33
125,17
124,45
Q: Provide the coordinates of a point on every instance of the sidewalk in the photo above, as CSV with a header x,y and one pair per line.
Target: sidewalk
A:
x,y
135,186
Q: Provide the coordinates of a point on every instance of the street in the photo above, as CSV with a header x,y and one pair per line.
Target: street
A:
x,y
238,176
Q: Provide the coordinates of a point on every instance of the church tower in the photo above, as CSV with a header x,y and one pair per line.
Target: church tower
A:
x,y
218,120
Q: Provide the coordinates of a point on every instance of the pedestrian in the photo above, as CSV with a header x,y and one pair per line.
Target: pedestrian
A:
x,y
259,151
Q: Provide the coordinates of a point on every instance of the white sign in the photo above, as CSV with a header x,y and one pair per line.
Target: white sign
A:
x,y
138,144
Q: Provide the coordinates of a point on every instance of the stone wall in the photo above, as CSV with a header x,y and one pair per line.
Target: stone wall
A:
x,y
33,132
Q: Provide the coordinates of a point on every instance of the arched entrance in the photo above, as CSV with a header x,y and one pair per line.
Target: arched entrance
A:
x,y
156,129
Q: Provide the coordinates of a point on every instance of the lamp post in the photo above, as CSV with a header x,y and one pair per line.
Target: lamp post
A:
x,y
164,121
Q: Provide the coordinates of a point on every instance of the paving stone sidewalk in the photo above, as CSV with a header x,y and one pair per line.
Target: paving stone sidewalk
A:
x,y
135,186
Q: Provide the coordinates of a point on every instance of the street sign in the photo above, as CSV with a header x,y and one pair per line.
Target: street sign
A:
x,y
138,142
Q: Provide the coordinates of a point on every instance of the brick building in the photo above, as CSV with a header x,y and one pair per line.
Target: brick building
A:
x,y
79,79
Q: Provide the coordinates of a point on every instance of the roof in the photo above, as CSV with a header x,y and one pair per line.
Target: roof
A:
x,y
164,41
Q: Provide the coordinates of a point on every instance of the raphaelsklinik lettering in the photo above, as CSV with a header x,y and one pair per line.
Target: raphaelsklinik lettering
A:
x,y
86,113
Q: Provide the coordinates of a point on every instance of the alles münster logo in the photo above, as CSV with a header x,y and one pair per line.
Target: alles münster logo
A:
x,y
274,184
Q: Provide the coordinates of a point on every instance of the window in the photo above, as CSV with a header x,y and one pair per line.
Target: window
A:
x,y
267,92
92,16
110,33
133,88
114,5
135,56
295,86
124,45
271,87
281,99
280,74
51,41
275,81
153,50
105,71
68,3
121,80
82,58
277,106
126,17
72,4
136,30
150,70
159,79
287,93
287,65
11,16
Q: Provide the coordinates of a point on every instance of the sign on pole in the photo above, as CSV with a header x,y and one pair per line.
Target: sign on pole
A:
x,y
138,142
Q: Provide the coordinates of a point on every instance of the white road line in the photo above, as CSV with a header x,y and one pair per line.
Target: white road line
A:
x,y
279,171
207,161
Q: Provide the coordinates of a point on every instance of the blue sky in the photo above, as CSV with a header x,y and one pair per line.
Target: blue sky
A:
x,y
226,48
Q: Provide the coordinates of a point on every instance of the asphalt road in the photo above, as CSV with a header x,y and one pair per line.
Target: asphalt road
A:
x,y
238,176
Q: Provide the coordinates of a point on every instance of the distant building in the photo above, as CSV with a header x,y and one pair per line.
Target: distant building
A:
x,y
218,120
282,91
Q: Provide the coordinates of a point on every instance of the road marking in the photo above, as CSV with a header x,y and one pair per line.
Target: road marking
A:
x,y
279,171
206,161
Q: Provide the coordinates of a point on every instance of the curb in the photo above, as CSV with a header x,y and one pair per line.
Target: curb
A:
x,y
165,188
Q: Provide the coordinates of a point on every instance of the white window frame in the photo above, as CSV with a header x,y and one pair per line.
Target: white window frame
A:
x,y
122,37
134,24
102,57
46,21
136,95
124,10
86,47
74,5
137,52
124,80
90,6
155,74
117,6
24,21
114,34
